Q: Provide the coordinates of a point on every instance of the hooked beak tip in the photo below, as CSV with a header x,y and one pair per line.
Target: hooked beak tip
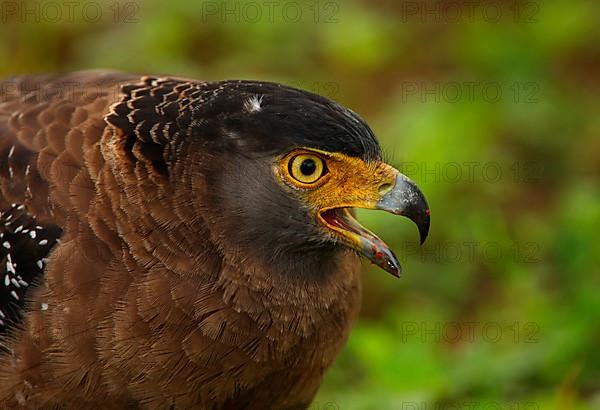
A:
x,y
423,225
406,199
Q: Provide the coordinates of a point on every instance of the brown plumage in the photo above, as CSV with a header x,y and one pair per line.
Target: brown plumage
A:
x,y
156,255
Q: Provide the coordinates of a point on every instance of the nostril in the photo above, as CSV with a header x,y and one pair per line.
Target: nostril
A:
x,y
385,188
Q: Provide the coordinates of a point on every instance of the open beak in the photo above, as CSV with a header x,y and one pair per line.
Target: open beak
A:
x,y
391,191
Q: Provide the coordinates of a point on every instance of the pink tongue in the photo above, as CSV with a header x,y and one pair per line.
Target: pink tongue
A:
x,y
336,217
373,248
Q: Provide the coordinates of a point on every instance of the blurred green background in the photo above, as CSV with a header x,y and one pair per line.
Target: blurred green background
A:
x,y
492,107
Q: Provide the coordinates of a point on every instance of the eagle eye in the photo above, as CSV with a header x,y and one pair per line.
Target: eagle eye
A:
x,y
307,168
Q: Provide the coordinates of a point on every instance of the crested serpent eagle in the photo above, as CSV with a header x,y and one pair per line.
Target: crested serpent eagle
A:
x,y
170,243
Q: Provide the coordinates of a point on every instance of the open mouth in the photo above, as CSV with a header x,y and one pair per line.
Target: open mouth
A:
x,y
402,197
342,219
352,233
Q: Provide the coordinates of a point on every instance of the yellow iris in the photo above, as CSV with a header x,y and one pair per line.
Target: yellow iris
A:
x,y
307,168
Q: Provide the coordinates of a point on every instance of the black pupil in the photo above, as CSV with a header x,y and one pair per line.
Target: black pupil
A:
x,y
308,167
